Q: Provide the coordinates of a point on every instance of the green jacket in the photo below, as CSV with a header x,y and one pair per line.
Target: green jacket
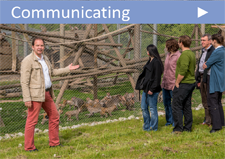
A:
x,y
186,67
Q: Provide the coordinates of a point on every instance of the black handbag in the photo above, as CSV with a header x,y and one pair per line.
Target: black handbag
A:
x,y
140,82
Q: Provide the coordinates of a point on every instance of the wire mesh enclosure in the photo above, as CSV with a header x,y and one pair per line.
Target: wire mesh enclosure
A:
x,y
110,57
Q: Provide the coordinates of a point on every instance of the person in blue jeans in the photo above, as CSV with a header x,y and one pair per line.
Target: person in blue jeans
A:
x,y
168,81
152,72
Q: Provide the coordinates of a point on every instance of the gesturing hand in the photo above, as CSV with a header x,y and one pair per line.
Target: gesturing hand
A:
x,y
73,67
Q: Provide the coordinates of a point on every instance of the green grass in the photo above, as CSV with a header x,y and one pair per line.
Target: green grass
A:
x,y
125,139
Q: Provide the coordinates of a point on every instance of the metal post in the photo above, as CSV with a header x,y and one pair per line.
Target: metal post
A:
x,y
118,27
136,53
155,36
140,40
25,44
62,48
95,77
203,29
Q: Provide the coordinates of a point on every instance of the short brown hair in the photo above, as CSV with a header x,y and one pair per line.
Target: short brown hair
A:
x,y
172,45
185,40
219,38
36,38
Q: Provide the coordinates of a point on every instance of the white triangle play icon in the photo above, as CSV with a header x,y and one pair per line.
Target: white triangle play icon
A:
x,y
201,12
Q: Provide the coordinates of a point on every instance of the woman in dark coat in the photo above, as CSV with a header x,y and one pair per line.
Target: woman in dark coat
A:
x,y
151,87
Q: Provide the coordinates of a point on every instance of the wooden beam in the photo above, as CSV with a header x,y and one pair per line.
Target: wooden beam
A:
x,y
75,62
10,86
25,35
100,72
10,95
123,63
101,44
36,33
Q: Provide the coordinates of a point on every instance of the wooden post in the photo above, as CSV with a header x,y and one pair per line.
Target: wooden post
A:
x,y
13,48
196,42
122,61
75,62
95,77
137,52
22,27
203,29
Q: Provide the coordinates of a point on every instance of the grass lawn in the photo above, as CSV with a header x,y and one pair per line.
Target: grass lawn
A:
x,y
125,139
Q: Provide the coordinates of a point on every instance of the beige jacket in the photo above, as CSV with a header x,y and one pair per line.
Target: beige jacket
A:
x,y
32,78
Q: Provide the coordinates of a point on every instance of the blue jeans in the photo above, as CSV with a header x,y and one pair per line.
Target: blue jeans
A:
x,y
167,96
150,123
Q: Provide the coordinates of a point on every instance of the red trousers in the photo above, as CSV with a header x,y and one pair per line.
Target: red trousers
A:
x,y
32,120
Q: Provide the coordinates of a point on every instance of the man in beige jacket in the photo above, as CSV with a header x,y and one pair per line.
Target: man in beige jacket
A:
x,y
37,90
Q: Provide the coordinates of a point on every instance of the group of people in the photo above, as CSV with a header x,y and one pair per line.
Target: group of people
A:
x,y
180,79
178,84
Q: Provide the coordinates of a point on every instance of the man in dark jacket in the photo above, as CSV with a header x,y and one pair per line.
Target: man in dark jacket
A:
x,y
201,74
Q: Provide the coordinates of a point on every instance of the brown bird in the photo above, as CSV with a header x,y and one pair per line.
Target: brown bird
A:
x,y
76,35
73,28
43,28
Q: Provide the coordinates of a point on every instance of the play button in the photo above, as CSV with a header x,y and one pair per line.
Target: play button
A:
x,y
201,12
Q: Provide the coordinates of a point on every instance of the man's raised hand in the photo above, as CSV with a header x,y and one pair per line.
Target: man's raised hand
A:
x,y
73,67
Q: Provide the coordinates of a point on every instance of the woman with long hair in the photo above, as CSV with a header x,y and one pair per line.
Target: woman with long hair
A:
x,y
216,83
168,81
151,87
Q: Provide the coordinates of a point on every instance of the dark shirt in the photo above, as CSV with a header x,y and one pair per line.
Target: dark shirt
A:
x,y
197,74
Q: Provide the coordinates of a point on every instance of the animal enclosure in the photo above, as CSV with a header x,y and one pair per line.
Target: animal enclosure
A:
x,y
110,57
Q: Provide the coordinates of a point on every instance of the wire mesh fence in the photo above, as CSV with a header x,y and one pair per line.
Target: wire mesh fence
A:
x,y
111,55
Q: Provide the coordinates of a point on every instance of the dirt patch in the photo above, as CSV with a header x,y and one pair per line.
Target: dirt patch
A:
x,y
168,149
